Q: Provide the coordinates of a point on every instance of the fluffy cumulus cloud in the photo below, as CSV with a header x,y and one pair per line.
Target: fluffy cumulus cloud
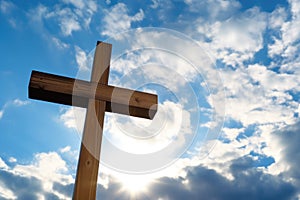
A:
x,y
236,39
73,118
263,96
40,177
68,118
81,59
118,19
284,48
73,18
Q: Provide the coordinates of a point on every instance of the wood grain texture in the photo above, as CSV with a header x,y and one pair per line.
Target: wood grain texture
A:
x,y
68,91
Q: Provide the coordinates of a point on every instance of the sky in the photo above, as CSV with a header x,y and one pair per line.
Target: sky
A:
x,y
226,74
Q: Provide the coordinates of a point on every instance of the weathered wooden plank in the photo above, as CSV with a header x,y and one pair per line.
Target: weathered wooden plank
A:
x,y
88,164
68,91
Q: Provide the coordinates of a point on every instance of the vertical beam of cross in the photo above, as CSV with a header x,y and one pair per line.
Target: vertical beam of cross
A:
x,y
88,164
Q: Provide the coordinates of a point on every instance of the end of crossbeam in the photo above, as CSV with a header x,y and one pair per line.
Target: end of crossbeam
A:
x,y
153,111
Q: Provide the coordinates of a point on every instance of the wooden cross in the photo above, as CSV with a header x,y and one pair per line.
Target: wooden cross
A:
x,y
97,96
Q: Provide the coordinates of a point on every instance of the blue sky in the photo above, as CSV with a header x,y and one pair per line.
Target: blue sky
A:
x,y
227,77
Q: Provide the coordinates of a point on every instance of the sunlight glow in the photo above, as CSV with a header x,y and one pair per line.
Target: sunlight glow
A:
x,y
134,184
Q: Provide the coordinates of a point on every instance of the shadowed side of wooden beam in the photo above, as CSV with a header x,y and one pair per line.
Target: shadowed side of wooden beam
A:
x,y
68,91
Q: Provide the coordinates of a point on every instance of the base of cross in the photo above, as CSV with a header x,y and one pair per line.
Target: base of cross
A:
x,y
98,97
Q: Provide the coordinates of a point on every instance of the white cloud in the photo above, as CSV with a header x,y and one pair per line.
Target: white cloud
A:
x,y
258,98
118,20
213,9
287,43
237,39
40,176
270,80
1,113
170,125
6,6
3,164
81,59
91,6
45,165
6,193
256,95
77,3
12,160
49,168
295,8
163,54
68,118
73,118
276,48
155,4
68,25
18,102
277,17
38,14
58,43
69,19
65,149
290,32
221,156
231,133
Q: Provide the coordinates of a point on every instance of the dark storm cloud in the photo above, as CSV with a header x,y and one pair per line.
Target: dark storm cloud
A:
x,y
248,183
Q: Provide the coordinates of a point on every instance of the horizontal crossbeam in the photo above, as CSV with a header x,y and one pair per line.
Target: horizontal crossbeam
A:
x,y
69,91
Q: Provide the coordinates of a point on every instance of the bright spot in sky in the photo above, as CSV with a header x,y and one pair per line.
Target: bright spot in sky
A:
x,y
134,184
